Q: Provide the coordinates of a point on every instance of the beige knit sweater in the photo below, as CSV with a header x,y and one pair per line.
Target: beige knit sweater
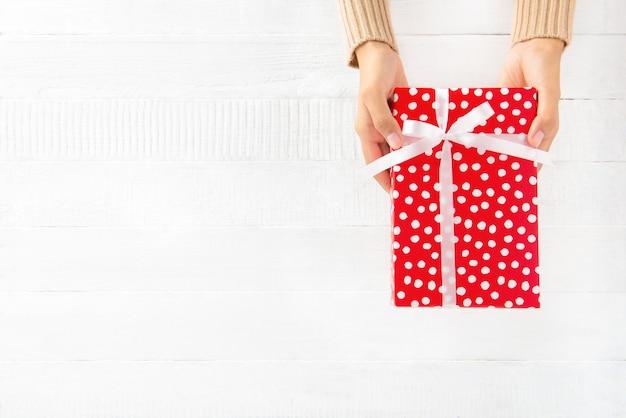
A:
x,y
370,20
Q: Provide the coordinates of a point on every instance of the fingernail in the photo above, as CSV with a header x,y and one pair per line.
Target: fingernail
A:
x,y
393,139
538,137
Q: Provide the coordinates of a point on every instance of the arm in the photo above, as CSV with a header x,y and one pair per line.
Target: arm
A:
x,y
363,21
373,50
541,31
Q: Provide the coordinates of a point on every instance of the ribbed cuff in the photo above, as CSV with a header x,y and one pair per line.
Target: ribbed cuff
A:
x,y
543,19
366,20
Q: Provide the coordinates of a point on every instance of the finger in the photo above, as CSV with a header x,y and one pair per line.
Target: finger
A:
x,y
510,75
382,119
373,151
546,124
506,79
401,80
373,145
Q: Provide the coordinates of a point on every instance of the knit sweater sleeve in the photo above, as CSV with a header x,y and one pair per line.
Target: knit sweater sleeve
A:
x,y
366,20
543,19
370,20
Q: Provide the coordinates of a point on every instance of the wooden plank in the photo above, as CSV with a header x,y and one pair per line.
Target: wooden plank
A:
x,y
188,194
277,16
272,66
173,66
493,17
302,326
323,193
579,133
202,130
246,130
313,389
595,17
142,17
562,190
457,61
587,259
194,259
573,259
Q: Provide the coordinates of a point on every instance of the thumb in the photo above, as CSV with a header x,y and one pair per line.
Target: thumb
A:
x,y
546,124
384,122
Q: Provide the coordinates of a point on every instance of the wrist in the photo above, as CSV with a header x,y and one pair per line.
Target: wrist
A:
x,y
551,45
370,49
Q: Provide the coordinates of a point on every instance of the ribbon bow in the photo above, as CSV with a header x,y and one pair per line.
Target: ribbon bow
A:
x,y
421,137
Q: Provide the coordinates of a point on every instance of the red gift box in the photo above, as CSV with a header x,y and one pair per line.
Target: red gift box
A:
x,y
464,207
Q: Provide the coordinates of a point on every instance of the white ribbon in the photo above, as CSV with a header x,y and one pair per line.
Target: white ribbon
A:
x,y
420,137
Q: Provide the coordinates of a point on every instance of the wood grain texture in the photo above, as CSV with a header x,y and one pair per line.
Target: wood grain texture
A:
x,y
272,66
196,130
313,389
183,234
300,260
244,130
304,16
302,326
258,194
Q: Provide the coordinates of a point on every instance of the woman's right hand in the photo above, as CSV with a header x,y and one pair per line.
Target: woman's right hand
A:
x,y
381,71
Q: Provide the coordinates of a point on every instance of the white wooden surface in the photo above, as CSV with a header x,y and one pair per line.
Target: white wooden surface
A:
x,y
182,232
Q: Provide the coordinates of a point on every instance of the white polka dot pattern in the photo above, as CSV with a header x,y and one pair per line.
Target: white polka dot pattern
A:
x,y
495,218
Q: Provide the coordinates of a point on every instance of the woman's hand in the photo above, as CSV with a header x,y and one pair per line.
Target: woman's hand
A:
x,y
537,63
380,71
